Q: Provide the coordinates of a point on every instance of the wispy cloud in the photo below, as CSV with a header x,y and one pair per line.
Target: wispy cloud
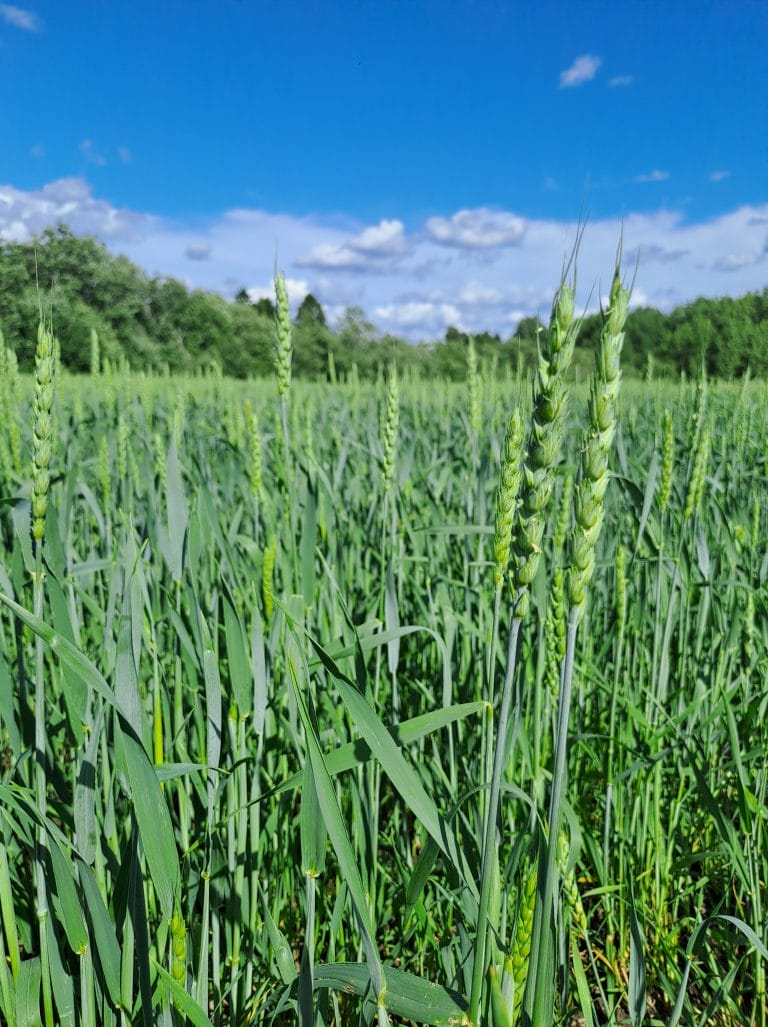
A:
x,y
198,251
582,70
428,284
37,151
653,176
474,292
124,154
90,154
738,261
20,18
651,253
620,80
719,176
476,229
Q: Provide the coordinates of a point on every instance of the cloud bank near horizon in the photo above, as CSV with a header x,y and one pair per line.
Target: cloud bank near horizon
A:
x,y
477,269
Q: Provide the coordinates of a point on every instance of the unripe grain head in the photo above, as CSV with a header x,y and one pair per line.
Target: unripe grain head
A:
x,y
42,428
284,342
389,429
544,445
590,492
506,495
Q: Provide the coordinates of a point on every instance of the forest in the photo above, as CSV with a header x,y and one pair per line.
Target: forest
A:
x,y
157,323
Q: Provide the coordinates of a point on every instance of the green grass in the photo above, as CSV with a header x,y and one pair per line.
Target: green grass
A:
x,y
265,793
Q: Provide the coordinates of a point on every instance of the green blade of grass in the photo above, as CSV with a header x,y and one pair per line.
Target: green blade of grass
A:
x,y
337,832
352,754
393,763
28,994
66,652
153,819
181,998
105,941
407,996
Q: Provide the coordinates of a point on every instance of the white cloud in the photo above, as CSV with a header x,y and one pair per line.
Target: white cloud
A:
x,y
124,154
421,316
385,239
428,285
620,80
67,200
333,258
475,292
20,18
478,228
719,176
37,151
296,288
582,70
374,246
653,176
406,314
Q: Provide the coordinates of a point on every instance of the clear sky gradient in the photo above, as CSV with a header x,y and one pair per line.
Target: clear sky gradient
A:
x,y
428,161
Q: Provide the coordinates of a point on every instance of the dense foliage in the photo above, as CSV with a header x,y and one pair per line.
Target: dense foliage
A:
x,y
261,657
157,322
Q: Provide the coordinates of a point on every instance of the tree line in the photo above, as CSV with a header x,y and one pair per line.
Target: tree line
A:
x,y
157,322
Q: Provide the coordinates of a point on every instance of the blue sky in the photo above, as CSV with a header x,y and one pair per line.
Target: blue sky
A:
x,y
428,161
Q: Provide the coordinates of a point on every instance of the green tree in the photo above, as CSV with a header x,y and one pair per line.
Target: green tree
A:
x,y
155,321
249,348
310,312
266,307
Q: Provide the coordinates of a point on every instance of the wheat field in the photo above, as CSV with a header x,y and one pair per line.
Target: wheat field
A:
x,y
405,702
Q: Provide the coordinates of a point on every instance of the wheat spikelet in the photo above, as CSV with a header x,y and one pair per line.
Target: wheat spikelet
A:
x,y
698,473
563,519
588,500
95,352
667,460
521,945
284,348
621,589
42,428
267,575
506,495
544,444
570,888
178,950
254,450
389,430
555,631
